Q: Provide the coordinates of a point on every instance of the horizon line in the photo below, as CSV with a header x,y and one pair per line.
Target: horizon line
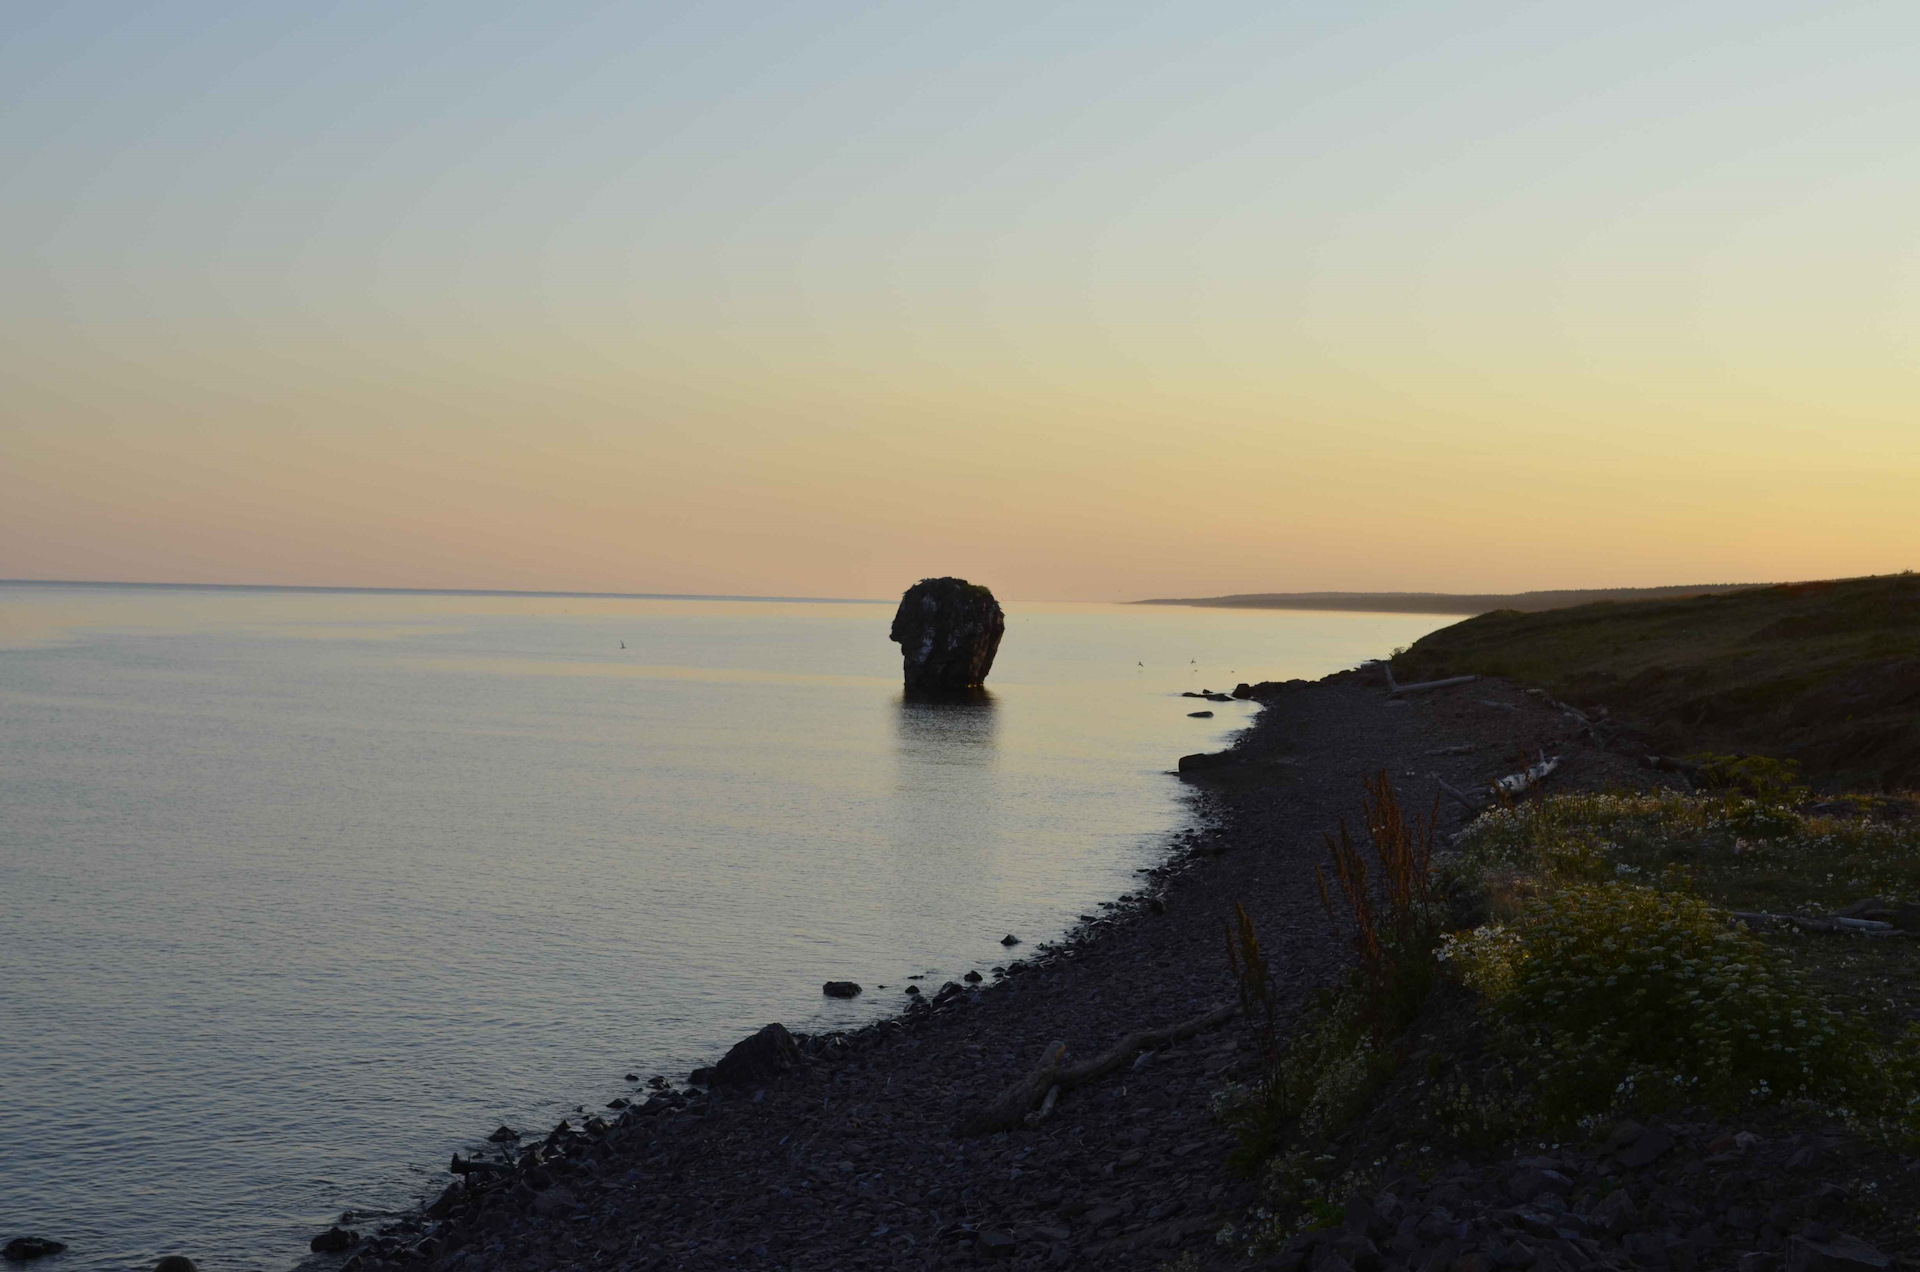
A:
x,y
338,589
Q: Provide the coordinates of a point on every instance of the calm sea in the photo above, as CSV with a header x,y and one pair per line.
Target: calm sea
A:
x,y
300,892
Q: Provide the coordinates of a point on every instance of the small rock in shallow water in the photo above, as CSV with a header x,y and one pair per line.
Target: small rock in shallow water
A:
x,y
914,990
20,1249
840,989
1200,715
176,1263
332,1241
1009,939
504,1135
972,978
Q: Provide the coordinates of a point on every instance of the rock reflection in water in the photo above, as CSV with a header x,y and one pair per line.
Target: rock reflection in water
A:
x,y
953,728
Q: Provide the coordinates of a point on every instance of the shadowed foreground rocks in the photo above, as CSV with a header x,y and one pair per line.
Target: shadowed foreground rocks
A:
x,y
948,631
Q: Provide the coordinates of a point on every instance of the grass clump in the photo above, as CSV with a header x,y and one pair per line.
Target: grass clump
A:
x,y
1614,977
1734,850
1621,997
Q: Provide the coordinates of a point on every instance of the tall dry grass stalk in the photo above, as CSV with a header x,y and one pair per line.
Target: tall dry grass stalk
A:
x,y
1259,1000
1388,899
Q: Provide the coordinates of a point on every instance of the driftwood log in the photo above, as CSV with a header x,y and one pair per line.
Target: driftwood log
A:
x,y
1519,783
1464,802
1395,688
1865,927
1054,1075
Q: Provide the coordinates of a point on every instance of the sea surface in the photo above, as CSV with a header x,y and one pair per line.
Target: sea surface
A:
x,y
300,892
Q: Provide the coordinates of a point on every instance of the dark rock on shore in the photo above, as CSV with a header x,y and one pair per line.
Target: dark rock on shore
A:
x,y
841,989
504,1135
333,1241
21,1249
948,631
758,1058
1207,761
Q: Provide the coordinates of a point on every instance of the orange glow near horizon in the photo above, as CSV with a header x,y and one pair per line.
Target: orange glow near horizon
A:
x,y
1083,307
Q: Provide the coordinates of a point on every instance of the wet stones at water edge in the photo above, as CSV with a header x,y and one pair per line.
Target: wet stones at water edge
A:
x,y
21,1249
841,989
758,1058
334,1240
948,631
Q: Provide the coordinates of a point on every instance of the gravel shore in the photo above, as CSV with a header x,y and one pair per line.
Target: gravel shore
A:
x,y
851,1160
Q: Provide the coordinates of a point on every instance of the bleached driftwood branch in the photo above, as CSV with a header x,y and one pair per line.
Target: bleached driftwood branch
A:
x,y
1395,689
1866,927
1519,783
1459,797
1053,1074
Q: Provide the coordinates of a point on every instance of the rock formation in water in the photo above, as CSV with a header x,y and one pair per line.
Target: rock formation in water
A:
x,y
948,631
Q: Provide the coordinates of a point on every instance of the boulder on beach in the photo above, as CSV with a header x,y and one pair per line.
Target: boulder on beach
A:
x,y
948,631
764,1055
333,1241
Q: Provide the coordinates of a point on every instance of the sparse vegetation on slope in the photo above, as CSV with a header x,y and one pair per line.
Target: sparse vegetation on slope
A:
x,y
1827,674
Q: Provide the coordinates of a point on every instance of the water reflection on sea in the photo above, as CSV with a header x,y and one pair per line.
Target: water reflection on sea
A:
x,y
298,892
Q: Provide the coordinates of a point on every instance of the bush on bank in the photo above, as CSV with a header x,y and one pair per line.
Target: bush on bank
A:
x,y
1608,982
1618,997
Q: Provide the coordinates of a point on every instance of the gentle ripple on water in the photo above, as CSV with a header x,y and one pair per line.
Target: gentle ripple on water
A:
x,y
298,893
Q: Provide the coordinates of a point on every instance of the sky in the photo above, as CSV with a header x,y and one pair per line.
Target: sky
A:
x,y
1081,301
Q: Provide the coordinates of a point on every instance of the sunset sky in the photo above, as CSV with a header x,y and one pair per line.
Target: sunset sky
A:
x,y
1083,301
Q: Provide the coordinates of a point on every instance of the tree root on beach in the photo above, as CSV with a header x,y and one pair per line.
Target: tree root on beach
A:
x,y
1017,1101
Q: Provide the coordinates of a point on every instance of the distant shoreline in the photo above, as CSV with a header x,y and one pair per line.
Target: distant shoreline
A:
x,y
439,591
1446,602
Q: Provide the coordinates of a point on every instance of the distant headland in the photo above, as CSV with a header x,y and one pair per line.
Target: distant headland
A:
x,y
1447,602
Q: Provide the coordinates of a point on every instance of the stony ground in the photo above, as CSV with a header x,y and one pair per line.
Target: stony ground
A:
x,y
851,1161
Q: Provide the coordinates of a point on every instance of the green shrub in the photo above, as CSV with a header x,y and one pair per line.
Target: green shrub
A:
x,y
1617,994
1744,853
1760,777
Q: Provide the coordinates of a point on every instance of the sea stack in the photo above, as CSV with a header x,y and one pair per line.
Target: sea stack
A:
x,y
948,631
